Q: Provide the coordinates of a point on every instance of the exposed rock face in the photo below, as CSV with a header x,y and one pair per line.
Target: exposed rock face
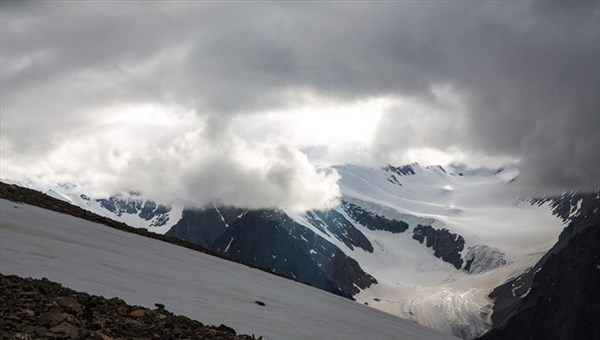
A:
x,y
394,173
481,258
340,227
373,221
147,210
40,309
404,170
564,206
203,226
272,240
445,244
559,297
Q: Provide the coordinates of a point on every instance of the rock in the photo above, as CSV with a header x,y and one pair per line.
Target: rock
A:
x,y
69,302
122,310
133,323
51,319
34,330
138,313
29,312
67,329
226,329
102,336
159,305
446,245
260,303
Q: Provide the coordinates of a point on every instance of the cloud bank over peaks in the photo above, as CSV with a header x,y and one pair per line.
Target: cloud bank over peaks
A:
x,y
196,170
176,157
474,82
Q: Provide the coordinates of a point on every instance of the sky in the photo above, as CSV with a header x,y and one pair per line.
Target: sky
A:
x,y
250,103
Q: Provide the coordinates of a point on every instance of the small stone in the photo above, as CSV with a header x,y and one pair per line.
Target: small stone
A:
x,y
226,329
132,322
67,329
29,312
121,310
34,330
138,313
70,303
52,319
71,319
102,336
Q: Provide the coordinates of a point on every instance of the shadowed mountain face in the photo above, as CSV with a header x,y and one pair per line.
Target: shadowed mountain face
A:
x,y
333,222
373,221
559,297
446,245
271,239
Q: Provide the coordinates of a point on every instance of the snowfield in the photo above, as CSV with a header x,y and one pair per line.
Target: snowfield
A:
x,y
412,283
100,260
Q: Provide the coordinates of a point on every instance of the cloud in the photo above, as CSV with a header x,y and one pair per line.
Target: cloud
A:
x,y
505,80
195,170
173,158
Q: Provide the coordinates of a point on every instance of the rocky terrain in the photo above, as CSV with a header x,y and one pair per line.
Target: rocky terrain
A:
x,y
41,309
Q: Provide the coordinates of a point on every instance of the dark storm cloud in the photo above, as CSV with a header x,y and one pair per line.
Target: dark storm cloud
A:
x,y
527,71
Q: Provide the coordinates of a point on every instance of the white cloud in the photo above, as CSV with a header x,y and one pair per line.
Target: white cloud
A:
x,y
167,154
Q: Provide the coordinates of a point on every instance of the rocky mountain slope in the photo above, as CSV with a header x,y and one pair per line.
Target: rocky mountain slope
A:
x,y
41,309
558,298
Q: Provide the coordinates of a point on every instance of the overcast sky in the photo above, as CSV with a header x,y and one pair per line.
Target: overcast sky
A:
x,y
247,103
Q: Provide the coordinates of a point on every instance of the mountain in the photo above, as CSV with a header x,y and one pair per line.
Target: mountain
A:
x,y
418,242
130,208
558,298
101,260
271,239
424,243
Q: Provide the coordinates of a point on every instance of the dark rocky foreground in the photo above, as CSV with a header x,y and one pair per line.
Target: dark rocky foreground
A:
x,y
41,309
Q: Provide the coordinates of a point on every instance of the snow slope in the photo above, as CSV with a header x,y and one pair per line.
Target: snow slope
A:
x,y
503,234
101,260
129,209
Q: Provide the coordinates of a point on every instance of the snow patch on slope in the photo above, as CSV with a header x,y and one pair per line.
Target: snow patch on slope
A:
x,y
100,260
